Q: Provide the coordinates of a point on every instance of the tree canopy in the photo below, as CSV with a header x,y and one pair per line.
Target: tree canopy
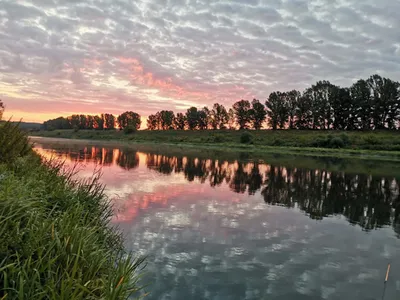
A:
x,y
368,104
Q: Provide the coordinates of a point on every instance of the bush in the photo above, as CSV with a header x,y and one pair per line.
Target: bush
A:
x,y
371,139
129,129
277,142
75,128
218,139
246,138
345,138
320,141
13,142
336,142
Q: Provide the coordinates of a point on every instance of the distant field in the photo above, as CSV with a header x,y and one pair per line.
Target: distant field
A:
x,y
377,140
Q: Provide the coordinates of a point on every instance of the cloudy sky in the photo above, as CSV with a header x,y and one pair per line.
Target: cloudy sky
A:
x,y
59,57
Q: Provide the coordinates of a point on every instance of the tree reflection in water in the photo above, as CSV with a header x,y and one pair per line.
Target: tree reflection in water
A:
x,y
369,201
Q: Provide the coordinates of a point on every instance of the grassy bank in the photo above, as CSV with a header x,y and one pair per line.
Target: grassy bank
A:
x,y
384,145
56,240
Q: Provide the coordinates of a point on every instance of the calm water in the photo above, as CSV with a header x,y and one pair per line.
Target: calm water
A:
x,y
228,229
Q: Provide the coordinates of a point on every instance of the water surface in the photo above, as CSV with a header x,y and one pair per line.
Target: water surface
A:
x,y
225,228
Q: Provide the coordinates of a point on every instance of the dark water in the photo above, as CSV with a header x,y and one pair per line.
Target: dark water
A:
x,y
220,228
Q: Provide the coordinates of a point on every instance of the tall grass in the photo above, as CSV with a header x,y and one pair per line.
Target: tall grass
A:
x,y
13,142
55,233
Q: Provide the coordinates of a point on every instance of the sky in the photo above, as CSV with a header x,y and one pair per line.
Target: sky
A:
x,y
60,57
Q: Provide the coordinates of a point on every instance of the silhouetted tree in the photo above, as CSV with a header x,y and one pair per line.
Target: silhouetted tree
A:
x,y
153,122
258,114
2,108
99,122
180,121
342,108
129,118
109,121
203,118
277,110
231,119
242,113
192,117
361,99
167,119
219,116
303,113
292,101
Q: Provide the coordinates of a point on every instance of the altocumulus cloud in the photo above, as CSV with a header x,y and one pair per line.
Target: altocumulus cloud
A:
x,y
59,57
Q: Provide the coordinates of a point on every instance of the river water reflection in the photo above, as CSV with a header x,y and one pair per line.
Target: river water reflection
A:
x,y
215,228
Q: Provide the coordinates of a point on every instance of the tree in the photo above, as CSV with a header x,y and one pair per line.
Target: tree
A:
x,y
129,118
98,122
292,99
231,118
342,107
153,122
321,109
219,116
303,113
277,110
90,121
109,121
257,114
166,119
361,98
180,121
203,118
192,117
2,108
242,113
385,98
58,123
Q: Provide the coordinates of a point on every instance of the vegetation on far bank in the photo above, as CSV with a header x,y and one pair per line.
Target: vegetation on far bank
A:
x,y
56,240
371,104
301,141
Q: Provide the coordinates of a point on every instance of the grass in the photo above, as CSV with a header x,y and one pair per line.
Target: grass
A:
x,y
56,239
383,145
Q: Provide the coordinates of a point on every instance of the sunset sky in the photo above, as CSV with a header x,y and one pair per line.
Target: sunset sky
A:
x,y
63,57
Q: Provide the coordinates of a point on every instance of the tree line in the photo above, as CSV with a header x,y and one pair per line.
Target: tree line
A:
x,y
373,103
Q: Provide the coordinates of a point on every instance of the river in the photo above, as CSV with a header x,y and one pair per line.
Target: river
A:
x,y
220,227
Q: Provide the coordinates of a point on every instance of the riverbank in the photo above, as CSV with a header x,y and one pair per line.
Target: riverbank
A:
x,y
382,145
56,239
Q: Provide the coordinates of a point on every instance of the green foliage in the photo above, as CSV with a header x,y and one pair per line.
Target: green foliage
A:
x,y
13,142
56,238
242,111
2,108
371,139
246,138
336,142
192,118
129,129
129,119
75,128
257,114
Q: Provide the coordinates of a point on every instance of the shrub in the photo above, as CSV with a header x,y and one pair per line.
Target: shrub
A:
x,y
246,138
336,142
345,138
278,142
75,128
320,141
371,139
218,139
129,129
13,142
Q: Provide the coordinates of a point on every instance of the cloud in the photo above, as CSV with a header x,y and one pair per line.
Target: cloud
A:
x,y
170,54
